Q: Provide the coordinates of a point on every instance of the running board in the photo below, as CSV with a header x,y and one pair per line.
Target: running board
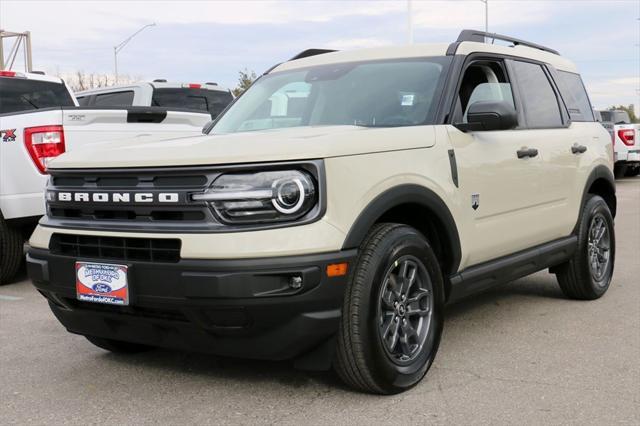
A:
x,y
508,268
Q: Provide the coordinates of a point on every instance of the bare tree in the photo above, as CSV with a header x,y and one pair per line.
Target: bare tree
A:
x,y
245,79
81,80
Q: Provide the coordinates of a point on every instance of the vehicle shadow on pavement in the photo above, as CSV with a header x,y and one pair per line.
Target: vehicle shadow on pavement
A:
x,y
522,292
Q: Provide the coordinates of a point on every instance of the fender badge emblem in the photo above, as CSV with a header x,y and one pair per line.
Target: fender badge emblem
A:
x,y
475,201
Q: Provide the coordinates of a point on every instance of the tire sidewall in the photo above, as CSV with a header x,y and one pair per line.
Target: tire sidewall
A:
x,y
400,242
593,207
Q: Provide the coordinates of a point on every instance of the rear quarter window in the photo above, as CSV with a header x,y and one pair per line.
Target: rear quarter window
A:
x,y
575,96
19,94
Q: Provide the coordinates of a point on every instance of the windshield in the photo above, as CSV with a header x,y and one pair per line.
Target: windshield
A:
x,y
212,101
19,94
401,92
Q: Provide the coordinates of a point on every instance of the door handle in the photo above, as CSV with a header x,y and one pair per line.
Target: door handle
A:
x,y
527,152
578,149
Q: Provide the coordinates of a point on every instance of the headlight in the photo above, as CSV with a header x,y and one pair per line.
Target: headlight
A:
x,y
270,196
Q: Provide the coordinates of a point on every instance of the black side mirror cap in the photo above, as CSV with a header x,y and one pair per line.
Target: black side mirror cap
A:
x,y
489,115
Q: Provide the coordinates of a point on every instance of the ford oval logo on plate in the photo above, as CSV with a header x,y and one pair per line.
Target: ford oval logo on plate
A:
x,y
102,283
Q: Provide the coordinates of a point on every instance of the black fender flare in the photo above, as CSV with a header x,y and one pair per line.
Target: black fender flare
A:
x,y
407,194
600,172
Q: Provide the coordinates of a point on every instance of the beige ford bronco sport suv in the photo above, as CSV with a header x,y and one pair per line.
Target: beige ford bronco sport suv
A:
x,y
334,208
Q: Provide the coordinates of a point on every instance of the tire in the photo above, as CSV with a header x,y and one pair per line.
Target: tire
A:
x,y
619,170
11,251
118,346
632,171
364,359
579,278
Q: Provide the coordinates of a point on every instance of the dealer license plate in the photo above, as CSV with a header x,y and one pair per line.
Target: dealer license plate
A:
x,y
102,283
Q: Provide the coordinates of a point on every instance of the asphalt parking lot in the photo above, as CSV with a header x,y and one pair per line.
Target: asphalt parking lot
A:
x,y
519,354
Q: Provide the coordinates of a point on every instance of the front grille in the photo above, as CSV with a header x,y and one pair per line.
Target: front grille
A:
x,y
181,213
116,248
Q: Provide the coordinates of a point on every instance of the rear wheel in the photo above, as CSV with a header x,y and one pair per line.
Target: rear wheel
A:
x,y
633,171
11,251
619,170
118,346
588,274
392,316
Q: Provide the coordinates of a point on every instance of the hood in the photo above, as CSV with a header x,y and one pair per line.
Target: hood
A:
x,y
247,147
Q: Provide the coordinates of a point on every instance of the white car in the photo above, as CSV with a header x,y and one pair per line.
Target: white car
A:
x,y
626,142
39,120
185,96
335,207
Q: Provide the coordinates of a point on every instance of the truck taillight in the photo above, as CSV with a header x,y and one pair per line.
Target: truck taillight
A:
x,y
44,143
192,85
627,136
7,73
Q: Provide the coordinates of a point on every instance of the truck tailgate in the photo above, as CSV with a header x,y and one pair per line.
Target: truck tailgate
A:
x,y
84,125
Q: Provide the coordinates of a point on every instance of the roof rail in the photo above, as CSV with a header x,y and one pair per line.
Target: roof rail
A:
x,y
311,52
481,37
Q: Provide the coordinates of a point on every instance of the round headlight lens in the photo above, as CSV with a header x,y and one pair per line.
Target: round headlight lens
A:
x,y
289,195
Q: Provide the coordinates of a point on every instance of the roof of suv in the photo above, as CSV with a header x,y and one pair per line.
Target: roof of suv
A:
x,y
519,49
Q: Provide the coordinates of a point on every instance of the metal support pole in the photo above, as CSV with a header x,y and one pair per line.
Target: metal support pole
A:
x,y
27,53
409,22
115,63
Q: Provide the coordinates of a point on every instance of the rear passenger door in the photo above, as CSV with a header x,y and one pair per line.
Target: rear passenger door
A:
x,y
548,128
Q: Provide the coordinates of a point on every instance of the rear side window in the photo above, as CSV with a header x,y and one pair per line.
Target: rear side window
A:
x,y
212,101
18,94
541,109
124,98
575,96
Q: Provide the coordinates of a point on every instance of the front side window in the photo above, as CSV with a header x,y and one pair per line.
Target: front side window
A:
x,y
402,92
482,81
539,101
575,96
124,98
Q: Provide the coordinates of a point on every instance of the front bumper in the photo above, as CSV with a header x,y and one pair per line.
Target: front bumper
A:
x,y
241,307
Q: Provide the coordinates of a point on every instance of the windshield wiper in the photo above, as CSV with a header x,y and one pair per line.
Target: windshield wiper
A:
x,y
30,103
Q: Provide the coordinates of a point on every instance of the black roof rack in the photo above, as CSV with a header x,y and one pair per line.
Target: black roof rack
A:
x,y
481,36
311,52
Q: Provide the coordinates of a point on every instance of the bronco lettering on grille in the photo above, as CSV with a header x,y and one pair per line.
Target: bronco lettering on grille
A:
x,y
116,197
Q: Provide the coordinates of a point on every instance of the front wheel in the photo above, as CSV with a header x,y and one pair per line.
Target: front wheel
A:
x,y
392,315
11,251
587,275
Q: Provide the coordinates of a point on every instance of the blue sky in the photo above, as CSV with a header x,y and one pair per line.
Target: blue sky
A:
x,y
212,40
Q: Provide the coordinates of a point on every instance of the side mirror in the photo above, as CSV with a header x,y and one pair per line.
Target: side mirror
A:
x,y
489,115
207,127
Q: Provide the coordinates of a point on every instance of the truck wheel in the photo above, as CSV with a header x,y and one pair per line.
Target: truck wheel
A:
x,y
632,171
619,170
11,247
393,312
118,346
588,274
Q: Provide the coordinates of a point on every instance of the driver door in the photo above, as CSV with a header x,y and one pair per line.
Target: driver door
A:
x,y
502,192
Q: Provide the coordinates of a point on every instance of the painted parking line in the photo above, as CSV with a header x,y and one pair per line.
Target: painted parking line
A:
x,y
9,298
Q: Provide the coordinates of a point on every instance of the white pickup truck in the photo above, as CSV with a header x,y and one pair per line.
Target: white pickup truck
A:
x,y
626,142
39,120
207,97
